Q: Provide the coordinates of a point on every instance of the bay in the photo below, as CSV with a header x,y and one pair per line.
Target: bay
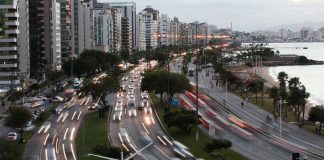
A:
x,y
312,76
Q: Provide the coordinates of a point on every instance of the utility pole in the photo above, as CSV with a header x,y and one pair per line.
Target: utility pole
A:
x,y
197,115
280,104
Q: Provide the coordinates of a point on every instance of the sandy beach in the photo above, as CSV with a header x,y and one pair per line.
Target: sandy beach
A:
x,y
265,74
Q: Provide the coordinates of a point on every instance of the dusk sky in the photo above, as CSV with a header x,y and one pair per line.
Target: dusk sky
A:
x,y
247,15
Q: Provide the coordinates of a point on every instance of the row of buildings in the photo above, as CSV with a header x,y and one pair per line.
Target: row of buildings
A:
x,y
285,35
38,35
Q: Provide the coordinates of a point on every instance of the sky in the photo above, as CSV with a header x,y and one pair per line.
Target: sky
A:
x,y
246,15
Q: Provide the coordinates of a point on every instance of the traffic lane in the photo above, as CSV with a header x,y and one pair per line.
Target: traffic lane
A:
x,y
299,140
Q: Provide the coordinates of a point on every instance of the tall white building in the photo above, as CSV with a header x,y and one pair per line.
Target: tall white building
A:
x,y
103,28
150,17
141,31
164,30
175,31
56,53
14,49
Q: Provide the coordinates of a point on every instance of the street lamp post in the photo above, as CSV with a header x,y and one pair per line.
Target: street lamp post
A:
x,y
197,116
280,104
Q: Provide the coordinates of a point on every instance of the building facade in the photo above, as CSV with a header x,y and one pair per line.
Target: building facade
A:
x,y
150,18
164,30
14,49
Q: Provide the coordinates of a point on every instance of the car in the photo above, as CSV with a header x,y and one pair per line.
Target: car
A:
x,y
131,86
119,107
92,106
132,80
12,136
147,110
117,115
130,92
41,98
131,97
144,95
123,87
125,78
120,94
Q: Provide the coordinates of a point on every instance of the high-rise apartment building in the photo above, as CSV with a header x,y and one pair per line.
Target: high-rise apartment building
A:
x,y
14,49
164,30
306,34
184,34
150,17
66,28
45,37
175,31
103,28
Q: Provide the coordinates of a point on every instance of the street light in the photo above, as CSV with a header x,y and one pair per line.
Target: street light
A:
x,y
280,106
122,158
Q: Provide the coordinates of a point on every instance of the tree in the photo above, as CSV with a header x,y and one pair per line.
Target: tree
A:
x,y
162,82
124,56
218,144
107,85
297,97
274,94
282,78
14,96
8,150
255,87
18,118
184,120
316,114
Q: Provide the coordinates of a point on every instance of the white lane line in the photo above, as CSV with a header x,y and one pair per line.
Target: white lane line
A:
x,y
125,147
79,115
59,117
162,152
167,140
82,101
46,156
45,141
153,121
73,115
71,134
40,130
47,128
64,152
54,155
161,140
67,129
145,128
56,146
179,152
72,150
87,100
65,116
120,138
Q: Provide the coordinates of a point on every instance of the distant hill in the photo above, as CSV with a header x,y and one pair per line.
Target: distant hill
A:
x,y
298,26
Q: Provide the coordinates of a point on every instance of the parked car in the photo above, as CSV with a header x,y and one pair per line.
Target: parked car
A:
x,y
12,136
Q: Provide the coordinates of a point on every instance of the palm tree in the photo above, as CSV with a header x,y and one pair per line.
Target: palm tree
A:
x,y
255,87
282,78
274,93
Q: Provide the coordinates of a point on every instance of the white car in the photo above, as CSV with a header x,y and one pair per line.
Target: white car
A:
x,y
12,136
130,92
147,110
144,95
125,78
131,108
131,86
117,115
118,107
120,94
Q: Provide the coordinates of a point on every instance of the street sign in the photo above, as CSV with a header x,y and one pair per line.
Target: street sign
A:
x,y
212,129
174,102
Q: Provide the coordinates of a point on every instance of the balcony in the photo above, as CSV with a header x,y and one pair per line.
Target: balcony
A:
x,y
13,31
9,57
6,82
6,40
11,15
8,48
6,74
12,23
8,65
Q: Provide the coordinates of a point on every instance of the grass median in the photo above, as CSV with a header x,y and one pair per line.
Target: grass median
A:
x,y
197,147
92,132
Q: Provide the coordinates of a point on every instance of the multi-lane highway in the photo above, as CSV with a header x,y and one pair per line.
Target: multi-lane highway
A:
x,y
55,139
134,132
255,138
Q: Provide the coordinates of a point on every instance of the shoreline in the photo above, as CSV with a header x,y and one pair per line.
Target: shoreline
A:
x,y
265,74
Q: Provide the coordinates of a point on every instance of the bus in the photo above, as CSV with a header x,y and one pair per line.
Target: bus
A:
x,y
191,72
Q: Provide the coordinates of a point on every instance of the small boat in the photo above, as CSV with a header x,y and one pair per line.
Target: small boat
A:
x,y
305,47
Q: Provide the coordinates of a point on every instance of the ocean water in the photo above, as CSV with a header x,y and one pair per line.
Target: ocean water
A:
x,y
311,76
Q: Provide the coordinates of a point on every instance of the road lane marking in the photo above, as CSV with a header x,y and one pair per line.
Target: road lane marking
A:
x,y
65,116
73,115
125,147
59,117
79,115
56,146
45,141
167,140
162,152
145,128
54,155
161,140
67,129
46,156
72,150
64,152
179,152
72,133
40,130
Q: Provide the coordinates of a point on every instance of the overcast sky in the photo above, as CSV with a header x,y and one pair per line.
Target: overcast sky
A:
x,y
247,15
